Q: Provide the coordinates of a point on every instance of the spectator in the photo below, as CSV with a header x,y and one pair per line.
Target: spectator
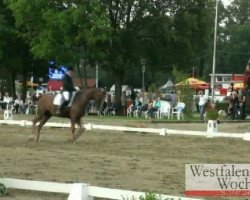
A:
x,y
112,107
137,104
34,98
1,100
234,105
203,99
153,107
19,105
243,104
7,99
124,102
133,96
174,99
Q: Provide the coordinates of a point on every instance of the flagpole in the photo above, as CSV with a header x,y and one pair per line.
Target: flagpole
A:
x,y
214,53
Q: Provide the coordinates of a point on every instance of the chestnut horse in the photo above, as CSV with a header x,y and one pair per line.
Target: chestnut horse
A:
x,y
46,109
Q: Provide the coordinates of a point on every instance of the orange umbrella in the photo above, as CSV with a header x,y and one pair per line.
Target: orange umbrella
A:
x,y
238,86
30,84
194,83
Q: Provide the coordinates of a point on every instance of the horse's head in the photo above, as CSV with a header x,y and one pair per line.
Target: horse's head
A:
x,y
99,98
96,94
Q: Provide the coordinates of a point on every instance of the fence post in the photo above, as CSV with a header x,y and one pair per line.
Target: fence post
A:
x,y
162,131
211,128
88,127
247,136
79,191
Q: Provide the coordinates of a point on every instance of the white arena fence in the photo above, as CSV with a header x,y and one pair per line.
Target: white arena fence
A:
x,y
80,191
159,131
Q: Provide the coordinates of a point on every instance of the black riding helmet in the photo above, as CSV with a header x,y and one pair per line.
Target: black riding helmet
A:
x,y
70,68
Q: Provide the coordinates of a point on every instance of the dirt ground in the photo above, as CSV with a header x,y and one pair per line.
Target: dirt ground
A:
x,y
112,159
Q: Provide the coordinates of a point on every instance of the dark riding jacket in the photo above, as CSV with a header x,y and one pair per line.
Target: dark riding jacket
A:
x,y
68,83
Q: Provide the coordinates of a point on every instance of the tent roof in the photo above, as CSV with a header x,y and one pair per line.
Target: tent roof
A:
x,y
124,88
168,84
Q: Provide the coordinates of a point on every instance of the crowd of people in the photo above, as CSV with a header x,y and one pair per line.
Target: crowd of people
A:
x,y
136,104
17,104
236,104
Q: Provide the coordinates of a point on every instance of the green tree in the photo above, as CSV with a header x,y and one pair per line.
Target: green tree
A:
x,y
13,50
64,31
234,37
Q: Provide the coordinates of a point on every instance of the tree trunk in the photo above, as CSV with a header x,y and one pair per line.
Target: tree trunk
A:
x,y
83,63
201,67
80,74
118,91
13,86
24,85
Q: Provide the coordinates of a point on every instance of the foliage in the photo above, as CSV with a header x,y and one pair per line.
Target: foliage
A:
x,y
179,75
222,105
150,196
212,114
119,34
185,92
3,190
59,30
154,88
186,96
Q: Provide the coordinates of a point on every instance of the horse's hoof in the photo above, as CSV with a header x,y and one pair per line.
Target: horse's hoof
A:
x,y
31,138
78,135
71,140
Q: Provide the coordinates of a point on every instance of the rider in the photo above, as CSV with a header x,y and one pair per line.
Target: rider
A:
x,y
68,88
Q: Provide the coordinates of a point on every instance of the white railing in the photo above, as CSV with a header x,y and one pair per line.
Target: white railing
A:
x,y
80,191
159,131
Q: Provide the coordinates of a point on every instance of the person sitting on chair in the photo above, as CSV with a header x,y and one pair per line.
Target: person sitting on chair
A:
x,y
68,88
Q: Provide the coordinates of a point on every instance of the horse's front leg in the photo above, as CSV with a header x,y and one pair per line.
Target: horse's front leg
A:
x,y
81,129
40,125
34,121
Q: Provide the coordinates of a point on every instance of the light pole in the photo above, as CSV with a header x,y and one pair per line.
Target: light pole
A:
x,y
143,62
96,74
214,54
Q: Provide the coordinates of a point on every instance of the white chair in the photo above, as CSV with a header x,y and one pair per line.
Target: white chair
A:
x,y
178,110
165,109
8,112
136,112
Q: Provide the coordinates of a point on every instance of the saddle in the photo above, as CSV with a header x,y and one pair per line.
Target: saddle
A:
x,y
59,99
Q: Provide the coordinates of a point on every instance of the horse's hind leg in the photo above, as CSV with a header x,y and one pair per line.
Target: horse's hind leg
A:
x,y
40,125
35,120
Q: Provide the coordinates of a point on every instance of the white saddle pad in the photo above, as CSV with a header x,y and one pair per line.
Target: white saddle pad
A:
x,y
58,99
61,97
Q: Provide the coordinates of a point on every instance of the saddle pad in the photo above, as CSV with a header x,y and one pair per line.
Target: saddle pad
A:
x,y
58,99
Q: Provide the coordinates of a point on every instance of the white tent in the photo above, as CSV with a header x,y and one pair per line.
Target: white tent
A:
x,y
125,88
168,86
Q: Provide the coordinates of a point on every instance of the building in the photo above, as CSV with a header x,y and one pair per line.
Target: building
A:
x,y
225,83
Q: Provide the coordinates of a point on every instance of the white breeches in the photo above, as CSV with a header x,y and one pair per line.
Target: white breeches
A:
x,y
66,95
